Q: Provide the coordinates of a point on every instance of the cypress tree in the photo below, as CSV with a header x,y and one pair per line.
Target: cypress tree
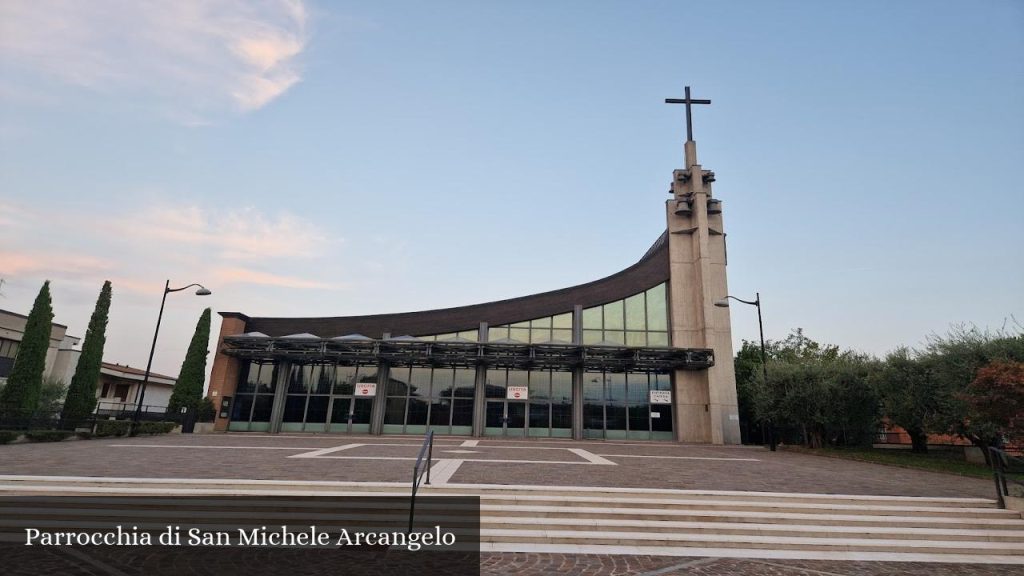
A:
x,y
81,399
20,397
188,391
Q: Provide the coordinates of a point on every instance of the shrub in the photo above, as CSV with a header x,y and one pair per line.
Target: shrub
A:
x,y
47,435
154,427
112,428
8,436
207,411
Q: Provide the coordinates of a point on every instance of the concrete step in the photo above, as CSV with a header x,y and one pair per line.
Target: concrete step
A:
x,y
747,501
533,518
748,542
752,505
749,528
11,481
1008,521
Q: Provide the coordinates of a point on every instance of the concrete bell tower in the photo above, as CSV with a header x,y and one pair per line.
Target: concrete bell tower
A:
x,y
705,400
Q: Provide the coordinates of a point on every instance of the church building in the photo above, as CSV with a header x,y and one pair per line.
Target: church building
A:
x,y
643,354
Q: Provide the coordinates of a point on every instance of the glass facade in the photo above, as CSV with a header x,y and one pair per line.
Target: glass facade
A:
x,y
544,411
640,320
617,406
550,328
323,397
438,399
471,334
254,398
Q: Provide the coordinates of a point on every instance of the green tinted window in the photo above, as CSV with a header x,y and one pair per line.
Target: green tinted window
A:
x,y
562,321
613,316
635,313
657,313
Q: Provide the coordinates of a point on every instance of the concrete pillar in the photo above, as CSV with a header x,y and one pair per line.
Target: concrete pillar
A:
x,y
577,376
380,400
480,388
282,378
705,400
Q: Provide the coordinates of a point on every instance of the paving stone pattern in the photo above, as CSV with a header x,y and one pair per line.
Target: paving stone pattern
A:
x,y
267,457
529,564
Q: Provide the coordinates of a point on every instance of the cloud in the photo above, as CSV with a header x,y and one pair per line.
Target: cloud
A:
x,y
245,234
61,264
192,57
247,276
134,246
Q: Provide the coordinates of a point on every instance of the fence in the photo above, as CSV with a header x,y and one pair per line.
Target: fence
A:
x,y
15,419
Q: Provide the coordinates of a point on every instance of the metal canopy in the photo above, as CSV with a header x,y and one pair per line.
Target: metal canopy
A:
x,y
454,353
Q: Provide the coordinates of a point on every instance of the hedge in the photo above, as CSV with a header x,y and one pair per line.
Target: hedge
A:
x,y
8,436
112,428
47,435
154,427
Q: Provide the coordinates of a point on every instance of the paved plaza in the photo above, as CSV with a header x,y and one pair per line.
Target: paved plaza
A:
x,y
483,461
512,462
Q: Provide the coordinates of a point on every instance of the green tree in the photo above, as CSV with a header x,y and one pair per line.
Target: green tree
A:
x,y
995,399
20,397
188,391
52,394
954,361
748,365
81,400
911,397
816,389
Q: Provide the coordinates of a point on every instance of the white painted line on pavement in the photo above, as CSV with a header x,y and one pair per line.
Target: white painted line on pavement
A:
x,y
591,457
680,457
320,453
202,446
443,470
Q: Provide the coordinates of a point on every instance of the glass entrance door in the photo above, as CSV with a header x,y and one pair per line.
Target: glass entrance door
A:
x,y
505,418
350,414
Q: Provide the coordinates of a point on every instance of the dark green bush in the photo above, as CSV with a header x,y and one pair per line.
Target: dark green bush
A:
x,y
207,411
112,428
8,436
154,427
47,435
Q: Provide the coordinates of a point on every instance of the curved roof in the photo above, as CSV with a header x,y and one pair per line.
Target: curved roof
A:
x,y
651,270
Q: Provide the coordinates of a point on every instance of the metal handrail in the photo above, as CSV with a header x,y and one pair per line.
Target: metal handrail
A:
x,y
1000,461
418,472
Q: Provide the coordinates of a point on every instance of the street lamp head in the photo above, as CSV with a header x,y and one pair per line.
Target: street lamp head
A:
x,y
202,291
723,303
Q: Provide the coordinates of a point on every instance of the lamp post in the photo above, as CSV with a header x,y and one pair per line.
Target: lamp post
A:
x,y
202,291
724,303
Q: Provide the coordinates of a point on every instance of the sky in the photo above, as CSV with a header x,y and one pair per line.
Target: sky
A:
x,y
305,158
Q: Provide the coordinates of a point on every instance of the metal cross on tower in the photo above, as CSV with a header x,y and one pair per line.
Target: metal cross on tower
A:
x,y
687,100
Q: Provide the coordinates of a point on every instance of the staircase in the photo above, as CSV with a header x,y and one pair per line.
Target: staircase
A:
x,y
582,520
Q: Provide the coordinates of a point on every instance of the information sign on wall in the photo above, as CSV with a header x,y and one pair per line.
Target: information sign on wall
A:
x,y
517,393
661,396
366,389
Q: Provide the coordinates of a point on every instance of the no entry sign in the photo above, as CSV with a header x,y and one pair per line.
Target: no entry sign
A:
x,y
517,393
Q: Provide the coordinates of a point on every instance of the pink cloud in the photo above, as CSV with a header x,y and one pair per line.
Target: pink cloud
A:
x,y
248,276
62,264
